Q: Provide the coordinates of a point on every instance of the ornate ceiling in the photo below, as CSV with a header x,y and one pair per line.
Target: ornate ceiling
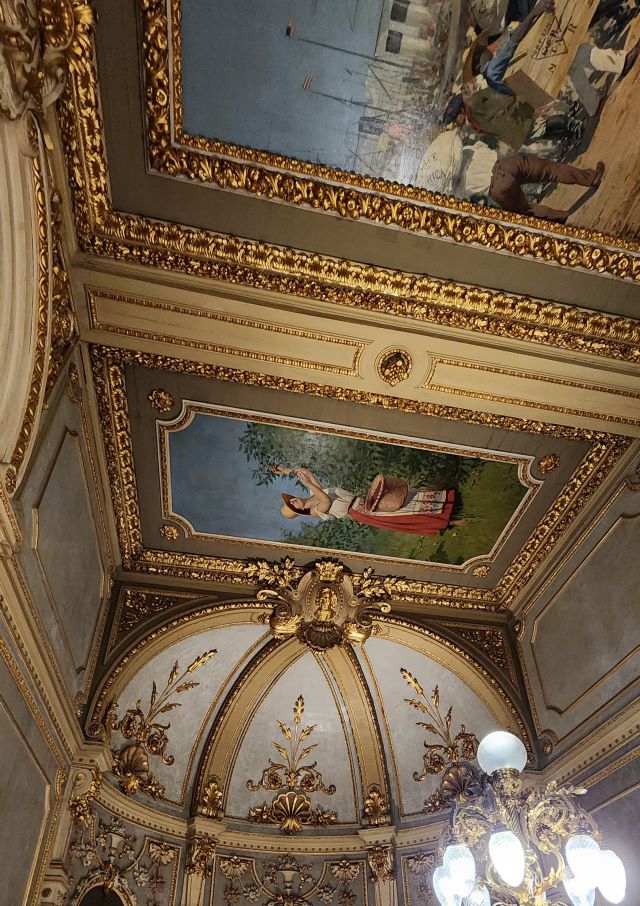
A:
x,y
253,332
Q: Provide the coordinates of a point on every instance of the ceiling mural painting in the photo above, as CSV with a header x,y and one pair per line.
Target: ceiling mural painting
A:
x,y
500,110
240,475
470,99
231,478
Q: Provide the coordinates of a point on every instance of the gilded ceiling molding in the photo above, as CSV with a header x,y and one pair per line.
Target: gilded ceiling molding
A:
x,y
448,757
376,807
356,196
421,866
293,779
136,605
287,881
103,231
39,367
108,370
492,641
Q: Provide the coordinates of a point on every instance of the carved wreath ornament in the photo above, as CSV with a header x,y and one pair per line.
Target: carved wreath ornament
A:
x,y
324,608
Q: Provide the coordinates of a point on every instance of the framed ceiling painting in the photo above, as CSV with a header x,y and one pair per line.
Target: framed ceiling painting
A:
x,y
212,468
243,475
510,110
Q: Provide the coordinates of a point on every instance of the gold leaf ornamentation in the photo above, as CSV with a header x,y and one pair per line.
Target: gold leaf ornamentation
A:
x,y
548,463
449,757
291,809
131,763
210,804
161,400
376,807
381,863
394,366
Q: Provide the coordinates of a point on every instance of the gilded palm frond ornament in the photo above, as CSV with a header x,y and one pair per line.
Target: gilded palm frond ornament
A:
x,y
449,756
293,778
130,764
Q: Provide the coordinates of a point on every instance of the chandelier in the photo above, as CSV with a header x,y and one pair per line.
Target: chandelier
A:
x,y
513,847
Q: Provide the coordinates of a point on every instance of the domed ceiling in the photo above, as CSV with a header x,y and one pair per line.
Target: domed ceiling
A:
x,y
209,715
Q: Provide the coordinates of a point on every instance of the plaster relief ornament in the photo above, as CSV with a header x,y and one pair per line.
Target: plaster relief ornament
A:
x,y
459,780
288,882
326,607
394,366
293,780
130,764
39,43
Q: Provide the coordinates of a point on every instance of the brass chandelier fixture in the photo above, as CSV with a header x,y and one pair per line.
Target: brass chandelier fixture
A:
x,y
512,847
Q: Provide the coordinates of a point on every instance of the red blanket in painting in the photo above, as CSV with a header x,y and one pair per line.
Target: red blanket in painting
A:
x,y
410,523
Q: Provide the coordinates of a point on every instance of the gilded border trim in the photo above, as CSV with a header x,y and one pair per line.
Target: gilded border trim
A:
x,y
104,232
348,194
39,369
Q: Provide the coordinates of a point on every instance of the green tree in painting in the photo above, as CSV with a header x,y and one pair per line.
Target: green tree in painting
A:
x,y
487,491
347,462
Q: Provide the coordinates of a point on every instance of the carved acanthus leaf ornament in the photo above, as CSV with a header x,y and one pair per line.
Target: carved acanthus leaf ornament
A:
x,y
326,606
39,43
459,780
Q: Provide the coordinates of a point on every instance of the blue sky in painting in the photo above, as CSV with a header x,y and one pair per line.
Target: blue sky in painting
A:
x,y
212,485
243,77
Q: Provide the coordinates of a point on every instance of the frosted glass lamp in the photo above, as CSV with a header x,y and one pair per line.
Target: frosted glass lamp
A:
x,y
460,865
500,751
479,896
443,888
507,856
583,856
612,878
577,893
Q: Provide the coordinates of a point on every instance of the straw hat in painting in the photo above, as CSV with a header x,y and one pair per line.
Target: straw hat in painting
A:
x,y
288,510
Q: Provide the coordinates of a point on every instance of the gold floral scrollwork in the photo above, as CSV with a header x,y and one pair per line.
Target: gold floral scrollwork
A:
x,y
81,804
394,366
293,780
460,780
326,606
160,399
130,764
210,803
201,855
39,43
376,807
170,532
381,862
548,463
422,865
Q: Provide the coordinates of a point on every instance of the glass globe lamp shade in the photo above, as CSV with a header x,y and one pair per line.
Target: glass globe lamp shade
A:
x,y
443,888
583,856
500,750
612,878
577,893
460,865
507,856
479,896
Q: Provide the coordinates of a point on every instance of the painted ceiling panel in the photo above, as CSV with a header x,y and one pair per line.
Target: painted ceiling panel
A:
x,y
332,753
198,704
